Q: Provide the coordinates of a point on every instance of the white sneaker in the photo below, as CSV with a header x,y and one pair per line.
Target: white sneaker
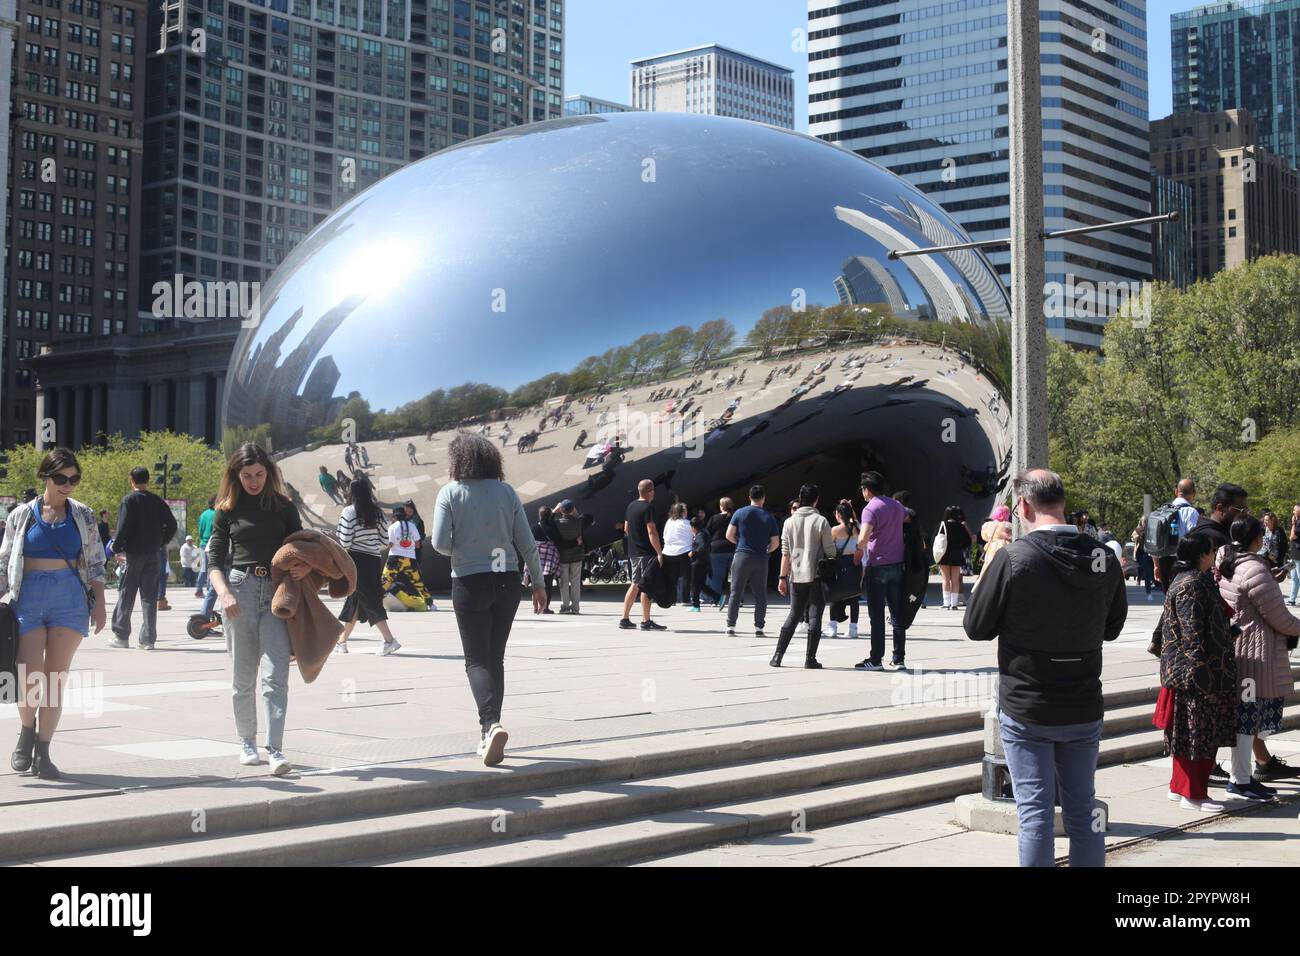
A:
x,y
835,629
1175,797
1205,806
341,648
248,754
493,746
853,632
279,765
802,628
390,647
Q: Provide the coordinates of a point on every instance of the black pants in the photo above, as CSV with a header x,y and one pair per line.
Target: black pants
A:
x,y
701,568
142,571
677,568
485,606
807,601
1166,571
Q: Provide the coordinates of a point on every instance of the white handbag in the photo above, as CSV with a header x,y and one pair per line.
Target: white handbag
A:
x,y
940,546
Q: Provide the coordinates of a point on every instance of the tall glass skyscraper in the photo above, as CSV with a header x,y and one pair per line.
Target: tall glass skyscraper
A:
x,y
921,88
1242,56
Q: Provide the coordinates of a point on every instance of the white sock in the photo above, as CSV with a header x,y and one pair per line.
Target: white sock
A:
x,y
835,627
948,599
1241,755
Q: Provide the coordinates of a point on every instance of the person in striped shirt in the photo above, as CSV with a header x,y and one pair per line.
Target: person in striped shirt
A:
x,y
363,531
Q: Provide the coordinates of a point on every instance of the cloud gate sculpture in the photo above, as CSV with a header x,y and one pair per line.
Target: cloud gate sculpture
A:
x,y
702,301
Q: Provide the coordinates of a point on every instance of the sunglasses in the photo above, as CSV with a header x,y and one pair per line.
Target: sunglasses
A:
x,y
61,480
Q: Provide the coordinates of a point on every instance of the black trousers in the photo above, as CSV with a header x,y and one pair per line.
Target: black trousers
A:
x,y
142,571
807,601
701,568
485,606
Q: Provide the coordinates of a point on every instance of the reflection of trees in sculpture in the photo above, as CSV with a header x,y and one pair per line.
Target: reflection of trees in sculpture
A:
x,y
661,355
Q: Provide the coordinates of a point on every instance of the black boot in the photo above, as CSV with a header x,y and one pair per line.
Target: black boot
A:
x,y
42,765
782,642
21,759
810,660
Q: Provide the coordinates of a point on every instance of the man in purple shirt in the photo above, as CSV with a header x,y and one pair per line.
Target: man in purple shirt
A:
x,y
882,542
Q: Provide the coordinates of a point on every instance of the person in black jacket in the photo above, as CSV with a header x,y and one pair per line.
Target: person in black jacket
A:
x,y
565,531
144,525
1052,598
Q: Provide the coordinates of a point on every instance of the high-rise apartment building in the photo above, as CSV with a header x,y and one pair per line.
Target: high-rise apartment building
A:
x,y
258,122
295,107
1245,201
1241,56
714,81
74,195
921,88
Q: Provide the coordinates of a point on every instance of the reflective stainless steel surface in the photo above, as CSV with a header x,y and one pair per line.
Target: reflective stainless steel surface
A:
x,y
442,292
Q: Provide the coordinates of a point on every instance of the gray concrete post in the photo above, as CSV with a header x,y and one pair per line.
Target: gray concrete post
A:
x,y
1028,323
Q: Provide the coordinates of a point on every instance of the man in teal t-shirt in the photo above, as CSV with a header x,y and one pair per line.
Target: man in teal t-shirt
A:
x,y
205,532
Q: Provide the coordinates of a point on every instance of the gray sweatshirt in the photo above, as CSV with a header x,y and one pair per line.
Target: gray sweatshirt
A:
x,y
480,524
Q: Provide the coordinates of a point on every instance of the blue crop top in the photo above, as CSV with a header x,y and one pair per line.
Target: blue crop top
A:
x,y
61,540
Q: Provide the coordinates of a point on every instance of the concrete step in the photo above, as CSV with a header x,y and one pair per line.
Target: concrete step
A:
x,y
681,831
684,830
544,810
159,816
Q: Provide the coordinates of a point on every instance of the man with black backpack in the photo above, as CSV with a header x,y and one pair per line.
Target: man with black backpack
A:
x,y
144,524
1169,524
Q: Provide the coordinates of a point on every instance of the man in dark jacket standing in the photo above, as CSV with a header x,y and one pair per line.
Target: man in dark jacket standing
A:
x,y
566,530
1052,597
144,524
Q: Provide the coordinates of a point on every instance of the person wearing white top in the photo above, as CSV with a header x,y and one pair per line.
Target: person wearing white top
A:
x,y
845,536
679,545
401,573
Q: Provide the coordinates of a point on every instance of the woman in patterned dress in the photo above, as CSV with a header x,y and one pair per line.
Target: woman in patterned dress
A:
x,y
1198,670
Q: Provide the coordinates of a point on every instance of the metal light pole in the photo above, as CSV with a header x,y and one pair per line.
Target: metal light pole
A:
x,y
1028,323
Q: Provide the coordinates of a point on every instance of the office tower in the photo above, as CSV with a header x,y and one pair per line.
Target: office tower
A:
x,y
579,105
1245,201
293,110
1241,56
74,192
260,124
715,81
921,88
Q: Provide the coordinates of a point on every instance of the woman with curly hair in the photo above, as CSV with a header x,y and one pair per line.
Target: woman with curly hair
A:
x,y
479,522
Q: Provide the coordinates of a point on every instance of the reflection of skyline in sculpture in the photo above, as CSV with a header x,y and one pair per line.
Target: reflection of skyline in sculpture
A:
x,y
493,303
939,291
863,281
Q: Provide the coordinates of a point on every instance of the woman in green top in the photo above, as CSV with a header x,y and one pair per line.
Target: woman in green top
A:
x,y
254,516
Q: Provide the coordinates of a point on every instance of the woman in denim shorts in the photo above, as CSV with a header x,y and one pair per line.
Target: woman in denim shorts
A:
x,y
51,564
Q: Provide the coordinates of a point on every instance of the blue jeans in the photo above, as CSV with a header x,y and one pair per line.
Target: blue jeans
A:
x,y
1295,582
1044,759
164,569
721,566
202,582
884,586
258,642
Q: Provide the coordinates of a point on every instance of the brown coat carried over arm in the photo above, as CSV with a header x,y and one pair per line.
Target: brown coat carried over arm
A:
x,y
313,629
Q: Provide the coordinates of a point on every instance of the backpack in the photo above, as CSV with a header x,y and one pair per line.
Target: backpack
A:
x,y
1163,530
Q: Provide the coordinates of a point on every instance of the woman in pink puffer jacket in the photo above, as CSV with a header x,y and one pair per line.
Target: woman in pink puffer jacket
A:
x,y
1247,584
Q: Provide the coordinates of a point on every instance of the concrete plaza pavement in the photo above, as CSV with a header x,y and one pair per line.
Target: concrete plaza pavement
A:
x,y
163,718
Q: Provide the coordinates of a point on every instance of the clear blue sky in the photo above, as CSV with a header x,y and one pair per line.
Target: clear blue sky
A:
x,y
605,35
